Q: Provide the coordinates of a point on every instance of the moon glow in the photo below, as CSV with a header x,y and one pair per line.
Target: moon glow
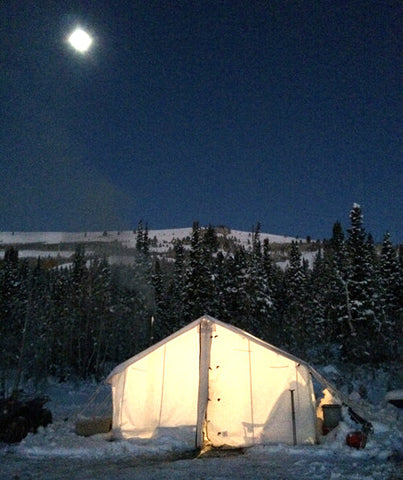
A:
x,y
80,40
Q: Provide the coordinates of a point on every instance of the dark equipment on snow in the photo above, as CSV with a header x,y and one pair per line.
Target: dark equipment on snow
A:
x,y
20,416
331,417
85,427
395,398
358,439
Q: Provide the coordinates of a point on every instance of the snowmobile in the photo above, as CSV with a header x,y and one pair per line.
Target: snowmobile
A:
x,y
20,416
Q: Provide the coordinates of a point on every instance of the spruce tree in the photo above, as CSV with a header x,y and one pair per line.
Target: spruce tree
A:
x,y
364,328
199,286
273,277
258,290
101,315
295,315
391,296
142,239
335,291
161,327
320,329
193,307
177,295
13,301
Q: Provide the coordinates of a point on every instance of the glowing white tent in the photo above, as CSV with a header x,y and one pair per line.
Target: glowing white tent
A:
x,y
211,382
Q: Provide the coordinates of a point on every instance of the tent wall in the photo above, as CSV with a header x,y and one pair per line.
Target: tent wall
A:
x,y
249,394
159,391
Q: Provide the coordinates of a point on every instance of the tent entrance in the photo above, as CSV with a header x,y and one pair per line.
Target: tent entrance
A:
x,y
206,333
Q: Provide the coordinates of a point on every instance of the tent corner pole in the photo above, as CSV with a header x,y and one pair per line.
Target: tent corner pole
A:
x,y
294,426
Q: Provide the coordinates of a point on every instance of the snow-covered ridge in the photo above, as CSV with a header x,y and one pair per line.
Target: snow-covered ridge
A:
x,y
161,240
119,246
126,237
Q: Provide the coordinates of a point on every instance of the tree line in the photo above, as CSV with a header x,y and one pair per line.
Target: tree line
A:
x,y
80,320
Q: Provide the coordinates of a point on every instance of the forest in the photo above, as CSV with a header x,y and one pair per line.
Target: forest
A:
x,y
78,321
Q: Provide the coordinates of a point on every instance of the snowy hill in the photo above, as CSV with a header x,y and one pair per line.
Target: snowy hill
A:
x,y
126,238
62,244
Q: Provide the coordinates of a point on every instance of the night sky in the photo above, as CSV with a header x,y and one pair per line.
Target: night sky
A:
x,y
226,112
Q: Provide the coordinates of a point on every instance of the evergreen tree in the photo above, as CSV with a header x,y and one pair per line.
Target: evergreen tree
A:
x,y
101,320
210,239
258,290
142,240
79,319
38,324
62,336
13,298
177,294
199,288
273,277
320,329
364,326
335,289
295,315
131,313
236,288
391,297
161,327
220,281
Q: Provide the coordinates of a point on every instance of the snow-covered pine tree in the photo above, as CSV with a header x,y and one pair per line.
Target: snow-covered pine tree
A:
x,y
361,335
295,315
101,322
209,253
10,326
79,318
273,276
131,313
162,323
39,325
334,281
391,296
192,305
258,290
317,326
142,240
220,286
177,294
237,288
199,283
62,335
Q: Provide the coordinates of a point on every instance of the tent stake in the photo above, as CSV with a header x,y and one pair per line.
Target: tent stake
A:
x,y
294,427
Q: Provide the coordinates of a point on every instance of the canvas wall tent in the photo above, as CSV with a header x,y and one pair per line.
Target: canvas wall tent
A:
x,y
212,382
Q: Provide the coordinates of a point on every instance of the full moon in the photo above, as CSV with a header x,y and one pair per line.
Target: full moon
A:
x,y
80,40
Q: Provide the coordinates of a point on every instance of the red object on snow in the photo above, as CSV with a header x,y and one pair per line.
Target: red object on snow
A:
x,y
356,439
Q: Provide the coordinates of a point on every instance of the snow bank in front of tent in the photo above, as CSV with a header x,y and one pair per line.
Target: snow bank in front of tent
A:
x,y
68,403
59,439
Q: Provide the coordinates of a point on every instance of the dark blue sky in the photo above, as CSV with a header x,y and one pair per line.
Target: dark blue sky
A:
x,y
225,112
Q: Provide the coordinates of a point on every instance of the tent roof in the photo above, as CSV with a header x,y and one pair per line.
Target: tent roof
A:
x,y
122,366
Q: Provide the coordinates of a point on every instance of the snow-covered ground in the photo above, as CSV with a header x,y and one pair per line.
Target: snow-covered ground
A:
x,y
56,452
